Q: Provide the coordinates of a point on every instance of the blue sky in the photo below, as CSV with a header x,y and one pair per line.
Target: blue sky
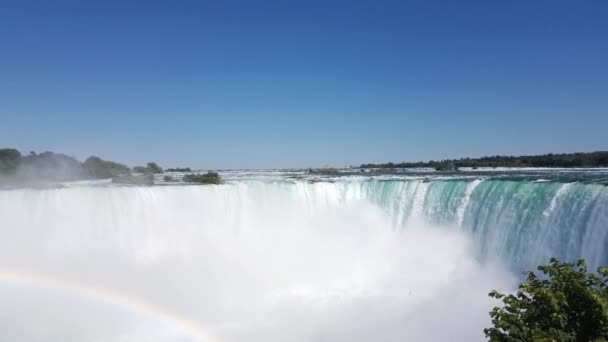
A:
x,y
229,84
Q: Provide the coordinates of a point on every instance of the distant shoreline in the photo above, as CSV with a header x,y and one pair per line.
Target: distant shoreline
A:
x,y
562,160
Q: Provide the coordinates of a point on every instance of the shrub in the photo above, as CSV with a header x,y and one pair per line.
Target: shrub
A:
x,y
208,178
564,304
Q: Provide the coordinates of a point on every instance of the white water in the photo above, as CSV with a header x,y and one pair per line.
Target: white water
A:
x,y
244,262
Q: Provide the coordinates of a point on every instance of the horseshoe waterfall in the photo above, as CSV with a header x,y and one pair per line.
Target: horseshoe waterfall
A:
x,y
276,256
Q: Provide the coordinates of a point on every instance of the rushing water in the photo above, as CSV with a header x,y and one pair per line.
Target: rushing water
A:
x,y
284,256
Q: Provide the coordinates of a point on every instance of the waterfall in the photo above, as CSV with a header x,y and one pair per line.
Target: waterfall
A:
x,y
346,260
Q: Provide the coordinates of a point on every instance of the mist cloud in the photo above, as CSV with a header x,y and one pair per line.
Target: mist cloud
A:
x,y
244,262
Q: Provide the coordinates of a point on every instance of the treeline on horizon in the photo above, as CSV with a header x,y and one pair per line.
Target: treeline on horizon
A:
x,y
580,159
16,168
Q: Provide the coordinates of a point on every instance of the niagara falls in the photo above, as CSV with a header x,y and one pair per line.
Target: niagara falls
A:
x,y
303,171
285,255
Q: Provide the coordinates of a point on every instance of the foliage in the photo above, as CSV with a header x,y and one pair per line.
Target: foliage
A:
x,y
18,169
208,178
592,159
145,179
9,160
565,303
140,169
324,171
99,168
151,168
154,168
38,168
50,166
168,179
448,166
179,169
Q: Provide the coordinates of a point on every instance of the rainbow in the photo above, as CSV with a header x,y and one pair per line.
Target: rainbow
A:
x,y
183,325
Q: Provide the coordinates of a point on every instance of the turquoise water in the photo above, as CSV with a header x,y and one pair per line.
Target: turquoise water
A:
x,y
521,216
523,222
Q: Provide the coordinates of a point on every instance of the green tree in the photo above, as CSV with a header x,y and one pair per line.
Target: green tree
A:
x,y
9,160
127,178
565,303
590,159
150,168
179,169
208,178
154,168
140,169
99,168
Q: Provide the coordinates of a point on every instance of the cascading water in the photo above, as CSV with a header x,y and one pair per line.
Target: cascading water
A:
x,y
349,259
524,223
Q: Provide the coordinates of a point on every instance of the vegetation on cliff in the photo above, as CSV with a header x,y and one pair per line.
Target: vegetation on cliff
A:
x,y
49,167
34,168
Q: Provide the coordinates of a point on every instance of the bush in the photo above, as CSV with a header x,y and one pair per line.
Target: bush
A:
x,y
564,304
208,178
323,171
140,169
99,168
151,168
179,169
446,167
146,179
154,168
9,160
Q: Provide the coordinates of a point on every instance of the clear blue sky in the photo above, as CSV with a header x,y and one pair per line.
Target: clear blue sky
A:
x,y
228,84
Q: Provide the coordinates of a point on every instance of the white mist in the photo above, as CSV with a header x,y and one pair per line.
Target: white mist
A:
x,y
246,262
